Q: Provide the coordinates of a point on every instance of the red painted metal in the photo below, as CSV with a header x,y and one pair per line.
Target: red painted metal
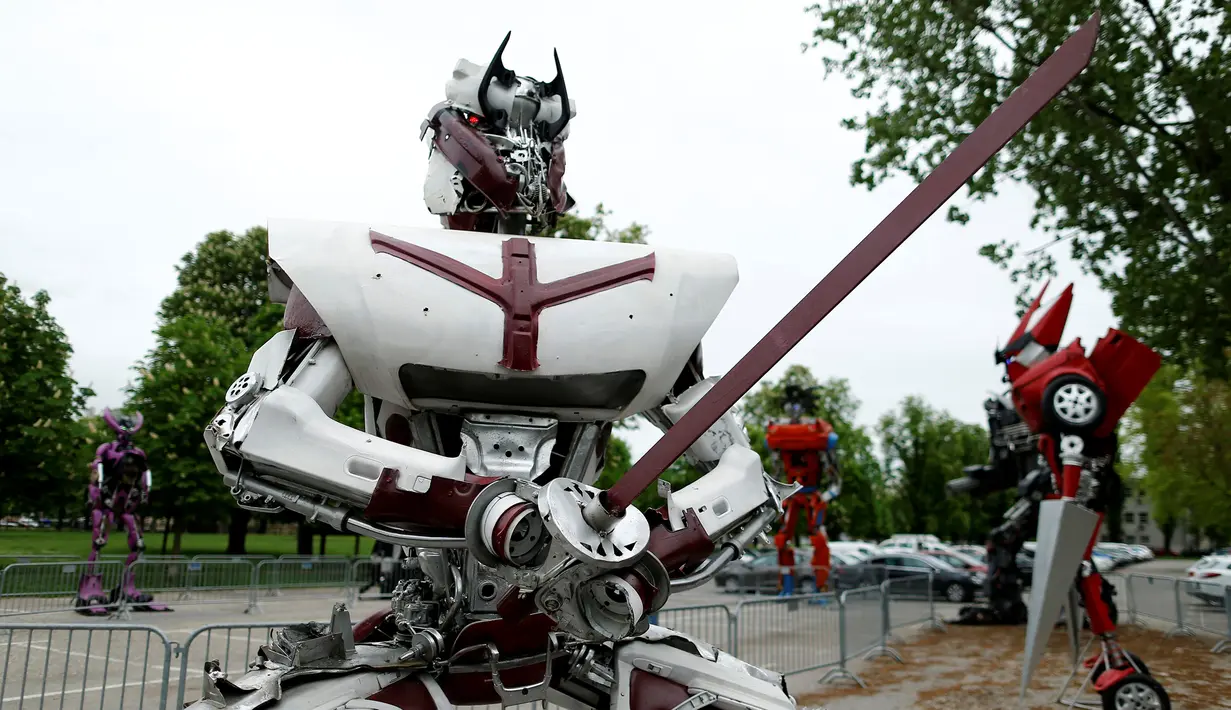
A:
x,y
647,691
475,159
1005,122
443,507
518,292
409,693
301,317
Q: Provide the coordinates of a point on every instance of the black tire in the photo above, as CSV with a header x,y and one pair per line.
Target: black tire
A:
x,y
1137,662
1148,692
807,585
1072,403
730,585
957,593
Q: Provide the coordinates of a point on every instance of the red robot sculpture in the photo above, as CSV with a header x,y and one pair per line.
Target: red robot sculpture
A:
x,y
1073,403
804,452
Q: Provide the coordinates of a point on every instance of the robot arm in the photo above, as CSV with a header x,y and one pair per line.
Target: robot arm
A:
x,y
276,436
735,486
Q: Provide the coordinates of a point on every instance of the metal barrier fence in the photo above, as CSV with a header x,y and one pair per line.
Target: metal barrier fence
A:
x,y
51,587
99,666
1188,603
46,587
302,578
106,665
195,581
233,646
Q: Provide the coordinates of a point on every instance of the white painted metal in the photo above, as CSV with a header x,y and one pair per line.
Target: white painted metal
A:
x,y
385,312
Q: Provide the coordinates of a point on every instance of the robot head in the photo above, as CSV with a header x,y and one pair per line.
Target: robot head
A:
x,y
496,161
798,401
1038,334
123,424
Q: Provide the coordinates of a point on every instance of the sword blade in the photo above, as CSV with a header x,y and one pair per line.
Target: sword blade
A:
x,y
973,153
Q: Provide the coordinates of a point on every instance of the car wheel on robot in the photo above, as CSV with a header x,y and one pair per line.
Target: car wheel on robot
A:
x,y
1074,403
1135,691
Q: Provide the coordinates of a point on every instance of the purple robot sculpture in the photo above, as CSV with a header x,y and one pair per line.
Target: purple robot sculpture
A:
x,y
119,483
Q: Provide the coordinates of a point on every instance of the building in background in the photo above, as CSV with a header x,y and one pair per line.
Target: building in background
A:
x,y
1140,528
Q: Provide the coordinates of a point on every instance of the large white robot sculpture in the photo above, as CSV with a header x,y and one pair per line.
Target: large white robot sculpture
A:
x,y
492,364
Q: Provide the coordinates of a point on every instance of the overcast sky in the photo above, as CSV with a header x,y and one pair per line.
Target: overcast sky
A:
x,y
130,130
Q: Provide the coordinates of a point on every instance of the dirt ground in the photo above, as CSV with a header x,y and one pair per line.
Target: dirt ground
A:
x,y
980,667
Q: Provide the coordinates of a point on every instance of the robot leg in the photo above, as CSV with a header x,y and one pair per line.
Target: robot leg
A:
x,y
1003,585
1115,673
784,541
820,546
128,587
91,599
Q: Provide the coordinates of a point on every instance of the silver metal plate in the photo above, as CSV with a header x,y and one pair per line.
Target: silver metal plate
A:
x,y
561,503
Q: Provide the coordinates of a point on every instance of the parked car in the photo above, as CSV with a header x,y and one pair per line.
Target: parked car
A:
x,y
957,560
978,552
1209,579
1118,554
914,543
951,584
858,550
762,573
1126,554
1102,562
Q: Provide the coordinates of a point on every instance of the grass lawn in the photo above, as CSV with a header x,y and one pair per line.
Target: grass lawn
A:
x,y
77,543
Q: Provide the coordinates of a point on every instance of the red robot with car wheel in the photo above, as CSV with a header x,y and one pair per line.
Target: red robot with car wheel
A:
x,y
804,450
1073,403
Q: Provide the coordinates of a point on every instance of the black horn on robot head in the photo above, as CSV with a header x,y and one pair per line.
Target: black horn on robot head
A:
x,y
557,88
496,71
499,73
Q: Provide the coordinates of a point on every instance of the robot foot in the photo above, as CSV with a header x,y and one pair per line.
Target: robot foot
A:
x,y
91,601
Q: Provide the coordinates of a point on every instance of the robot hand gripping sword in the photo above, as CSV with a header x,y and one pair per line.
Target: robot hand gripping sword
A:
x,y
805,451
120,484
519,577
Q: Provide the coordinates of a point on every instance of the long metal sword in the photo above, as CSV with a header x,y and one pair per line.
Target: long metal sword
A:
x,y
973,153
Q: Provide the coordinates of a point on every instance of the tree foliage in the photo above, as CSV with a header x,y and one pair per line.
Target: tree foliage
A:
x,y
595,228
1131,165
218,315
1179,433
923,449
859,511
39,405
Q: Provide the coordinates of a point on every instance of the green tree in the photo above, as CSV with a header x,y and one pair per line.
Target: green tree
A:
x,y
1131,165
859,511
595,228
39,403
218,315
1180,446
179,388
924,448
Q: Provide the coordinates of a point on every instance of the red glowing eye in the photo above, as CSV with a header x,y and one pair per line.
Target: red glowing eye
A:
x,y
473,120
